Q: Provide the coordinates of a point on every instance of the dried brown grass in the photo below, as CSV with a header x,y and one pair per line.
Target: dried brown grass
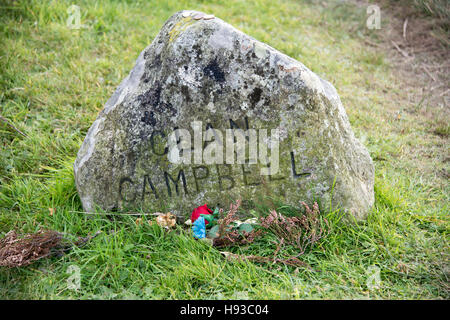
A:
x,y
228,236
301,233
18,251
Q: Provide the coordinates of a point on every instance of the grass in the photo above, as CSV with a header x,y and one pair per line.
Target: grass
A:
x,y
54,81
435,8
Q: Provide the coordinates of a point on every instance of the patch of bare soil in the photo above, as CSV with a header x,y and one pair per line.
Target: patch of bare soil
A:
x,y
420,50
418,46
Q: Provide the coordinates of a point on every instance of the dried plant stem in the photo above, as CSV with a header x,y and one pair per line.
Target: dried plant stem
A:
x,y
9,124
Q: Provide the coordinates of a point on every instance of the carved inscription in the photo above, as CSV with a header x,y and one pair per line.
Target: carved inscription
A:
x,y
190,180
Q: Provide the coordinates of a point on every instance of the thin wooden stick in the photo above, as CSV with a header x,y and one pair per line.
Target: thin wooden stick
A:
x,y
405,24
9,124
406,55
117,214
444,93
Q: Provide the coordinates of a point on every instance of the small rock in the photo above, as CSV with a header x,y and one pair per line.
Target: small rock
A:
x,y
199,16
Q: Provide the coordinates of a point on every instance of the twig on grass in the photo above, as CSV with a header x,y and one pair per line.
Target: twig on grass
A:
x,y
444,93
403,53
405,24
117,214
428,73
84,240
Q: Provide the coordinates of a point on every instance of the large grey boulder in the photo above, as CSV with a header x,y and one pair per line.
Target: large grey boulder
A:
x,y
199,68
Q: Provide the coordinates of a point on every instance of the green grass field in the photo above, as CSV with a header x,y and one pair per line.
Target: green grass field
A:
x,y
54,80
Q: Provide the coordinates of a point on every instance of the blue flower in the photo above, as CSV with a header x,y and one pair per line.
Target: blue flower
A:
x,y
199,228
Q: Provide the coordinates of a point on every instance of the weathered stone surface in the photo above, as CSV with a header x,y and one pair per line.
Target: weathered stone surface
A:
x,y
206,70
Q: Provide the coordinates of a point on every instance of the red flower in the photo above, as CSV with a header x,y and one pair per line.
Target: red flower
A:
x,y
200,210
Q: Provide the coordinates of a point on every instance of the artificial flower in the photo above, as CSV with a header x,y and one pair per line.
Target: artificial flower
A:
x,y
202,210
199,228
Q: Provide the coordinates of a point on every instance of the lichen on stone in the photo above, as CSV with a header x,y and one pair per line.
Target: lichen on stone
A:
x,y
208,71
